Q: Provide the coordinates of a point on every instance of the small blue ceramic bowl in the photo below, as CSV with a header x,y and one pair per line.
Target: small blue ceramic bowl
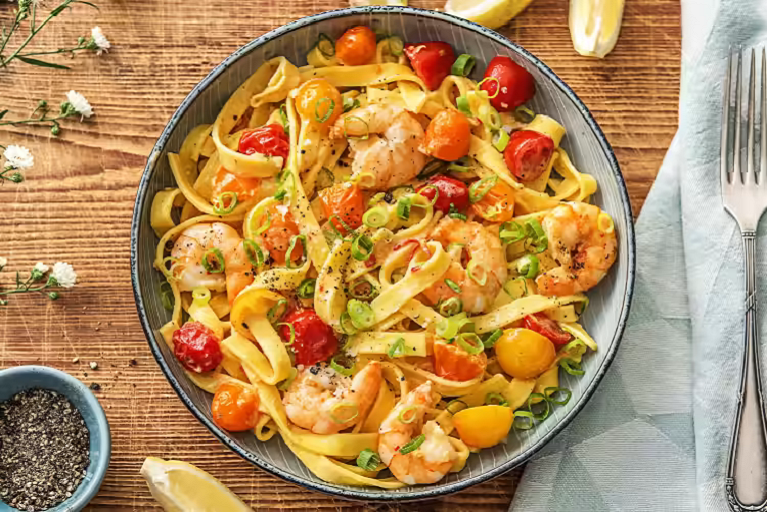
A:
x,y
20,378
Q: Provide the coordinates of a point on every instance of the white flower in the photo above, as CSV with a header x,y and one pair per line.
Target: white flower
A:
x,y
3,262
79,103
41,267
18,157
100,40
64,275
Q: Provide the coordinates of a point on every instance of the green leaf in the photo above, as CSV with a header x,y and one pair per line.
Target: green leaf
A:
x,y
86,3
3,112
41,63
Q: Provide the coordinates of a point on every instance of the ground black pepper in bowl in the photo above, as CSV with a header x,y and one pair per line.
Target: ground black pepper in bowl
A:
x,y
44,449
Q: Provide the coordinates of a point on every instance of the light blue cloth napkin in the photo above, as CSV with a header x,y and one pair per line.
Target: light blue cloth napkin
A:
x,y
656,434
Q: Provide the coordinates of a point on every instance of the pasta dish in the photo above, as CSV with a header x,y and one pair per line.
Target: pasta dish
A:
x,y
380,259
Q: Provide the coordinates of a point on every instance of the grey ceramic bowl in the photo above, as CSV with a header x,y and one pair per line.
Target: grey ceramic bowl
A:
x,y
585,143
20,378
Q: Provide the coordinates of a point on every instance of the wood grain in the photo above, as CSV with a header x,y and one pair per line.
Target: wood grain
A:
x,y
77,202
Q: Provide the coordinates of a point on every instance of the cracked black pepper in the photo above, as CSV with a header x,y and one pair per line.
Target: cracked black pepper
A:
x,y
44,449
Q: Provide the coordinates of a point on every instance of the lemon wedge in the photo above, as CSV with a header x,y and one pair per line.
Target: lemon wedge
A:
x,y
181,487
595,25
490,13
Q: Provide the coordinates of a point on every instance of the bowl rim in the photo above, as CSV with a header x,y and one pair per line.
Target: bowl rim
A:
x,y
99,470
420,493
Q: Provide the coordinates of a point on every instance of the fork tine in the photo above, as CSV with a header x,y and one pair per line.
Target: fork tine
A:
x,y
749,178
724,174
763,114
738,105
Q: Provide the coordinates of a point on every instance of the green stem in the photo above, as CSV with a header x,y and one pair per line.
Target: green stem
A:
x,y
52,52
14,26
31,36
25,290
41,120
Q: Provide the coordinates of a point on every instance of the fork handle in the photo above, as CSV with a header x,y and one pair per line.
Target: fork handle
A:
x,y
746,483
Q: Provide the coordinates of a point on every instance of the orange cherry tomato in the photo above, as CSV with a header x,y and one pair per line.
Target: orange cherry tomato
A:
x,y
225,181
524,354
448,136
356,47
319,102
453,363
277,236
346,201
497,205
235,408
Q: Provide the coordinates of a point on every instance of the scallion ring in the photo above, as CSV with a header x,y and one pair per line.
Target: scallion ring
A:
x,y
403,208
166,270
433,200
288,255
524,114
470,342
492,339
542,415
536,235
338,418
306,288
571,367
350,104
462,102
347,326
516,288
328,112
463,65
451,306
500,140
368,460
370,293
527,266
362,247
476,272
216,265
166,296
375,199
511,232
343,370
253,252
225,203
326,46
396,45
359,120
336,220
549,392
413,445
277,311
451,326
489,117
262,228
403,414
292,332
454,167
458,216
526,420
479,189
456,406
397,349
453,285
376,217
285,384
361,314
495,399
490,79
284,117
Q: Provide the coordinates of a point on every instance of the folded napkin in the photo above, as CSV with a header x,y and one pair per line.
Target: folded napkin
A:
x,y
656,434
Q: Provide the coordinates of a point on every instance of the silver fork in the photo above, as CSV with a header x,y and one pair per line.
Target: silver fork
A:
x,y
744,194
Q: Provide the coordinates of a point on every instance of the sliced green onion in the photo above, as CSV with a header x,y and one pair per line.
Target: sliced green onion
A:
x,y
492,339
336,219
397,349
528,265
514,292
549,392
371,294
403,208
473,269
451,326
351,406
488,79
166,296
495,399
253,252
347,326
431,169
456,406
405,410
368,460
580,307
500,140
325,179
293,241
542,415
217,265
433,200
280,194
356,118
511,232
284,118
396,46
413,445
489,117
362,247
225,203
479,189
287,382
351,104
451,306
361,314
328,112
536,235
375,199
574,348
376,217
343,370
168,271
571,367
266,226
463,65
306,288
470,342
526,420
292,332
462,102
524,114
454,167
453,285
326,46
277,311
456,215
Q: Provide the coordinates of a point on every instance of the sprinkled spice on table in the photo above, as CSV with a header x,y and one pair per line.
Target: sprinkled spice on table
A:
x,y
44,449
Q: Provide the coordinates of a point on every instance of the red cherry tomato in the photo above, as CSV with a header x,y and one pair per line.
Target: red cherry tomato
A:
x,y
356,47
431,61
453,363
517,85
547,327
346,201
528,153
235,408
315,341
267,140
450,190
448,136
197,347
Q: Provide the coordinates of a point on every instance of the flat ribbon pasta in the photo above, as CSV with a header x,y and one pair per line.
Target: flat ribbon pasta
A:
x,y
520,308
363,76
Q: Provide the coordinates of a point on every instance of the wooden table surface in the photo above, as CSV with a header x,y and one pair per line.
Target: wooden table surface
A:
x,y
77,201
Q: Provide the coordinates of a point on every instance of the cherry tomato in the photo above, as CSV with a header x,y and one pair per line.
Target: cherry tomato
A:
x,y
528,154
450,190
431,61
545,326
453,363
277,236
524,354
346,201
448,136
197,347
225,181
356,47
315,341
497,205
235,408
267,140
516,83
315,100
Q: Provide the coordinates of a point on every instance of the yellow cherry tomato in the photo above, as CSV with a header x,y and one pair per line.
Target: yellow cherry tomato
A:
x,y
483,427
319,102
524,354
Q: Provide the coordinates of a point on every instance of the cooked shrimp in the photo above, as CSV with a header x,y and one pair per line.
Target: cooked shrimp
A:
x,y
488,272
581,245
431,461
326,402
191,246
390,152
